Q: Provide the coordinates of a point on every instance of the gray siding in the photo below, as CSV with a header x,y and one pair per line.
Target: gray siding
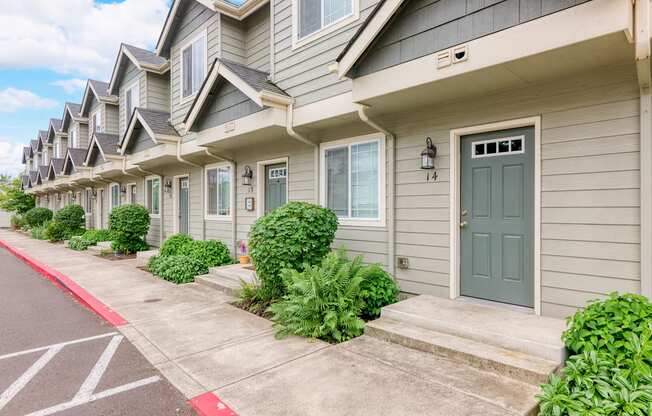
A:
x,y
233,40
82,134
92,108
96,159
131,75
111,118
228,104
426,26
192,21
140,142
196,224
157,92
257,40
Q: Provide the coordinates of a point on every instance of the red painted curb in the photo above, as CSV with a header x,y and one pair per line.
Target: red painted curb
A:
x,y
208,404
82,295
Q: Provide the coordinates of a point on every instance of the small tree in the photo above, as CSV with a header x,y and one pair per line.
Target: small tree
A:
x,y
14,199
129,225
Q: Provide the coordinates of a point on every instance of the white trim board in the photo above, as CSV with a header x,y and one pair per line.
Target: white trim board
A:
x,y
455,195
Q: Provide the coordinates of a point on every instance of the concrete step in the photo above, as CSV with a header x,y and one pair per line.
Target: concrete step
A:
x,y
499,361
491,325
516,397
223,284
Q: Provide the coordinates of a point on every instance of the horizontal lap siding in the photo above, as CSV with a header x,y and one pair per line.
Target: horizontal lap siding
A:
x,y
229,103
303,72
590,186
256,39
132,74
93,106
111,117
192,21
196,223
141,142
233,40
157,92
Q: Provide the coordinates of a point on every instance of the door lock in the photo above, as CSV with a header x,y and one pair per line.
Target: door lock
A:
x,y
463,224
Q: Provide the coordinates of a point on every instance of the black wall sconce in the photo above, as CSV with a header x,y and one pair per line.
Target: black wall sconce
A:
x,y
123,190
167,186
428,159
94,194
247,176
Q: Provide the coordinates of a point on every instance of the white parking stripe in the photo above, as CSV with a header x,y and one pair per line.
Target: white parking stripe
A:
x,y
93,379
22,381
62,344
94,397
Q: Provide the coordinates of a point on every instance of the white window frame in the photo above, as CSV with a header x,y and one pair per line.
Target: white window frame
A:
x,y
203,33
218,217
73,138
111,186
95,113
508,139
135,86
382,188
298,42
160,195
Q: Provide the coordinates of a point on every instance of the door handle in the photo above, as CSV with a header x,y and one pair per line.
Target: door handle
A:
x,y
463,224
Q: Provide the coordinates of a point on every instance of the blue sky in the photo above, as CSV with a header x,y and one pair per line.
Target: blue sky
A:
x,y
52,48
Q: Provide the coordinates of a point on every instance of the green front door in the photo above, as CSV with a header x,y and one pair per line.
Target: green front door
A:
x,y
497,216
276,177
183,208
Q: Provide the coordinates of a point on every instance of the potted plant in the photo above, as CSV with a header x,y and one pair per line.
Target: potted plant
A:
x,y
244,258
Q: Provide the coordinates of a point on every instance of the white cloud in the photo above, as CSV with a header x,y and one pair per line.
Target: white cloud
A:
x,y
10,157
78,37
13,99
70,85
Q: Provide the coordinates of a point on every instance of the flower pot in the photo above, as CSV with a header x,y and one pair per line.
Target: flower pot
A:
x,y
244,259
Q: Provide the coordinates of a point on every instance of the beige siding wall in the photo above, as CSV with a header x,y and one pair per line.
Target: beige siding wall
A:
x,y
233,40
130,77
111,117
157,92
257,40
196,223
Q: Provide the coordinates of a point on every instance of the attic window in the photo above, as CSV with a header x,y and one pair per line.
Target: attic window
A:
x,y
315,15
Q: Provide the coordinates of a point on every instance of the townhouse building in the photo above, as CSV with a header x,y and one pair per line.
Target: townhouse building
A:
x,y
495,149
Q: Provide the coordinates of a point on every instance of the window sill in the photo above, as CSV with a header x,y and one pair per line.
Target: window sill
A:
x,y
362,223
298,43
188,99
157,216
221,218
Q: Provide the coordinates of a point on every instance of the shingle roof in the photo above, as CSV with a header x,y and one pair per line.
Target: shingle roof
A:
x,y
32,176
34,144
158,121
101,88
43,171
74,108
26,151
56,123
258,80
77,155
43,136
146,57
57,164
108,143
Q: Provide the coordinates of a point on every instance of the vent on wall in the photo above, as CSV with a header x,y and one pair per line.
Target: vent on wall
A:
x,y
452,56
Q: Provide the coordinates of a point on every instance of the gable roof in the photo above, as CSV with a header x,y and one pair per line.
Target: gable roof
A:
x,y
74,158
42,174
71,111
32,178
106,144
55,167
369,31
100,90
253,83
24,180
156,124
53,128
27,153
35,145
43,137
142,59
172,19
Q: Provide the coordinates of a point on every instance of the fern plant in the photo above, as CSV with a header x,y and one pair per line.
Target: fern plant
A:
x,y
322,301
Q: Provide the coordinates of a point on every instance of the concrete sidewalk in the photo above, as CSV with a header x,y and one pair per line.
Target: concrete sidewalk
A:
x,y
202,343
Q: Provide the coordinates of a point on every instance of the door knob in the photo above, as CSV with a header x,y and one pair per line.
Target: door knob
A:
x,y
463,224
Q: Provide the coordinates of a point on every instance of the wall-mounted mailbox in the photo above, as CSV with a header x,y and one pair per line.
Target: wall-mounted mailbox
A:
x,y
249,203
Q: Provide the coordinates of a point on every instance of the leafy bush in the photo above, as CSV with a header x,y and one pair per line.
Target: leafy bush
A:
x,y
79,243
14,199
17,221
56,231
611,373
96,236
177,268
37,216
376,290
174,244
210,253
290,237
72,217
322,301
253,299
129,225
38,232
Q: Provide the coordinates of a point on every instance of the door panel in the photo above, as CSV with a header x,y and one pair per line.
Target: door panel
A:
x,y
183,208
497,206
275,186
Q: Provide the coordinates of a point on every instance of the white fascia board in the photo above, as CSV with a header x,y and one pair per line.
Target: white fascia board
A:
x,y
238,12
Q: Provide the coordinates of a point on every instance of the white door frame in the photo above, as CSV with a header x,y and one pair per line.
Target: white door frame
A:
x,y
261,180
455,195
128,199
175,202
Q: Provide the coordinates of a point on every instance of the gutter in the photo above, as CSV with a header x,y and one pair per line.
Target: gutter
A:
x,y
124,168
391,224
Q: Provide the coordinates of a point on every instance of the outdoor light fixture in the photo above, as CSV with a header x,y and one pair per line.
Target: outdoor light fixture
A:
x,y
428,159
94,194
74,197
123,189
247,176
168,186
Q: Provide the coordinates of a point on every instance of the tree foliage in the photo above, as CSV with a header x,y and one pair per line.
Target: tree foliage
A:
x,y
14,199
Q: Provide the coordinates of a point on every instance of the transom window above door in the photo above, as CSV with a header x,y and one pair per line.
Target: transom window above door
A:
x,y
353,180
498,147
313,16
193,66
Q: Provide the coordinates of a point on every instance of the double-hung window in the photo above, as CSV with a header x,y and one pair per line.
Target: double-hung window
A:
x,y
315,15
73,138
193,66
115,195
352,180
96,121
218,191
132,100
153,195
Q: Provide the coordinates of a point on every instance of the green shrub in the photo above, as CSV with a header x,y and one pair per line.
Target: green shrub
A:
x,y
96,236
210,253
253,299
17,221
611,373
56,231
37,216
177,269
25,228
129,225
322,301
174,244
377,289
79,243
290,237
72,217
38,232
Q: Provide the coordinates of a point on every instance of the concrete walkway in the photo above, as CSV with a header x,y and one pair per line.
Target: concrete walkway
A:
x,y
201,343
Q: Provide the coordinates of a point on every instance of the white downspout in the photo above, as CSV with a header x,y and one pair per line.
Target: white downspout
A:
x,y
642,48
124,168
391,224
289,126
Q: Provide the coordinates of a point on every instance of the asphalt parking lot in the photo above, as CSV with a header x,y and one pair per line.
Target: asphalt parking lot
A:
x,y
58,358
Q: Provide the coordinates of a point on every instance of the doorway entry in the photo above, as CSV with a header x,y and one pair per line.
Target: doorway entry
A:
x,y
183,204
